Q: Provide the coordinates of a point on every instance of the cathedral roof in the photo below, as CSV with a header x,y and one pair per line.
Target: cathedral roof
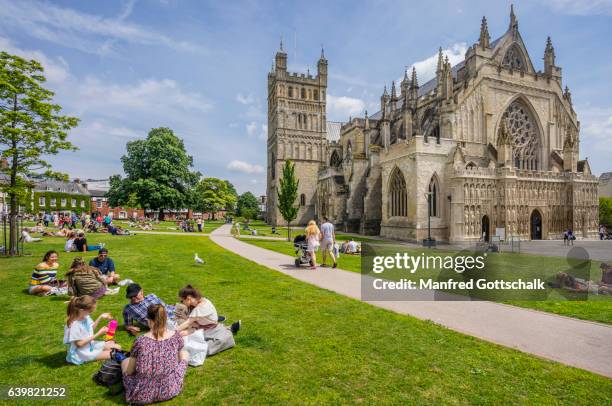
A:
x,y
429,86
333,131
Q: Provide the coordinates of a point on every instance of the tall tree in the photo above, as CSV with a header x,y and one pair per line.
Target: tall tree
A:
x,y
605,211
247,203
287,193
212,195
30,128
158,172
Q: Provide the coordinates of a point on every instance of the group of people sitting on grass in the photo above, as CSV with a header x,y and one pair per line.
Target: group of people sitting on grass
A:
x,y
350,247
81,279
143,225
154,369
571,283
73,233
173,336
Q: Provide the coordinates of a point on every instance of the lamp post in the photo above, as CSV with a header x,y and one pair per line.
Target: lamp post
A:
x,y
429,242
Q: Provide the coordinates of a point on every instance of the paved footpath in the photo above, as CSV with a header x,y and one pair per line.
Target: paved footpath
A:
x,y
583,344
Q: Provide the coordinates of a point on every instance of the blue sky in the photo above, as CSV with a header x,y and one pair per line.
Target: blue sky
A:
x,y
200,68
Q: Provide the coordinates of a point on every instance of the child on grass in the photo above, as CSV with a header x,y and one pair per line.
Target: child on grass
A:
x,y
79,332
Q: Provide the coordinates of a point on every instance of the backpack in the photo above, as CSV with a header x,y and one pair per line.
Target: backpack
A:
x,y
109,373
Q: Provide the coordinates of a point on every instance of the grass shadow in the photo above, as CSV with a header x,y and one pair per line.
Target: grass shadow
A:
x,y
55,360
115,394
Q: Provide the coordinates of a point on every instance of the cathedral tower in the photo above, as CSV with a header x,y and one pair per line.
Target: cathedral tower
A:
x,y
296,132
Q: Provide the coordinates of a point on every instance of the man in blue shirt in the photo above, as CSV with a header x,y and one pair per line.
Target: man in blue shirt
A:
x,y
106,266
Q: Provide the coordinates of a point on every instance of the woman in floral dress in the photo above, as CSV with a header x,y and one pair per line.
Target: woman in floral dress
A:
x,y
156,367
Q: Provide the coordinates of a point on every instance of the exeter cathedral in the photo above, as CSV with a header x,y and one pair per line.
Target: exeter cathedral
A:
x,y
489,146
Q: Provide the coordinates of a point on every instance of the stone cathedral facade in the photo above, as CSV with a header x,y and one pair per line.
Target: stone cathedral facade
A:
x,y
490,143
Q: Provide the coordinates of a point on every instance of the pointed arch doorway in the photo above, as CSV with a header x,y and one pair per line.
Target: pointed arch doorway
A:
x,y
486,233
536,225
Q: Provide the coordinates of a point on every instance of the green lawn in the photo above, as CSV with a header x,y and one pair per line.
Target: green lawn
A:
x,y
170,226
597,308
265,230
299,344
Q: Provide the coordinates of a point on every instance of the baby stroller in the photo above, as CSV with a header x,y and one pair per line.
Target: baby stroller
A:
x,y
301,250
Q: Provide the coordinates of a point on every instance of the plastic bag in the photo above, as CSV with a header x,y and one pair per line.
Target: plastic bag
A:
x,y
197,347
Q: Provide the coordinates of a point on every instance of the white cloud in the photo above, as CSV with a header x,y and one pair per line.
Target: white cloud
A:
x,y
244,167
260,131
242,99
254,109
353,81
581,8
251,128
56,69
426,69
87,32
101,129
341,107
595,135
155,97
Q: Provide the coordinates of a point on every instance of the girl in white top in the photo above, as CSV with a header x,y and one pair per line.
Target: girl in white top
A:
x,y
313,236
79,335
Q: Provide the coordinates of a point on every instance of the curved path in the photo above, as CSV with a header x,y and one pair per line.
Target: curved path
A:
x,y
579,343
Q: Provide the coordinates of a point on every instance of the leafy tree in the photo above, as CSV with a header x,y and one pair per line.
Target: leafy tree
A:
x,y
249,214
230,206
158,172
287,193
30,128
605,211
212,195
247,202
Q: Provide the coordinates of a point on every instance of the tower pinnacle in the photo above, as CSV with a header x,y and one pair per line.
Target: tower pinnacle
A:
x,y
513,20
484,34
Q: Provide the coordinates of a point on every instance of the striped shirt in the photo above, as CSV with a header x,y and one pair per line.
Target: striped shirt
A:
x,y
43,273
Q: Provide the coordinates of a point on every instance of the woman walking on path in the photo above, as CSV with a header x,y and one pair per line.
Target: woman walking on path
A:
x,y
313,237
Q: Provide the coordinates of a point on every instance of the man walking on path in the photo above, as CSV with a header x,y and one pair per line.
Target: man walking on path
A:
x,y
328,240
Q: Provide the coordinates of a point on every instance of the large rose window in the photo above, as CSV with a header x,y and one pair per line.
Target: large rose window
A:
x,y
524,135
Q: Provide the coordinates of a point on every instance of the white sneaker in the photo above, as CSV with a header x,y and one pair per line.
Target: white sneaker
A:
x,y
124,282
112,291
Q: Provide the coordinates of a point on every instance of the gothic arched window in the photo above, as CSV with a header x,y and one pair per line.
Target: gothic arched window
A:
x,y
335,160
316,95
302,199
303,93
523,132
514,58
434,191
290,92
272,166
398,196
